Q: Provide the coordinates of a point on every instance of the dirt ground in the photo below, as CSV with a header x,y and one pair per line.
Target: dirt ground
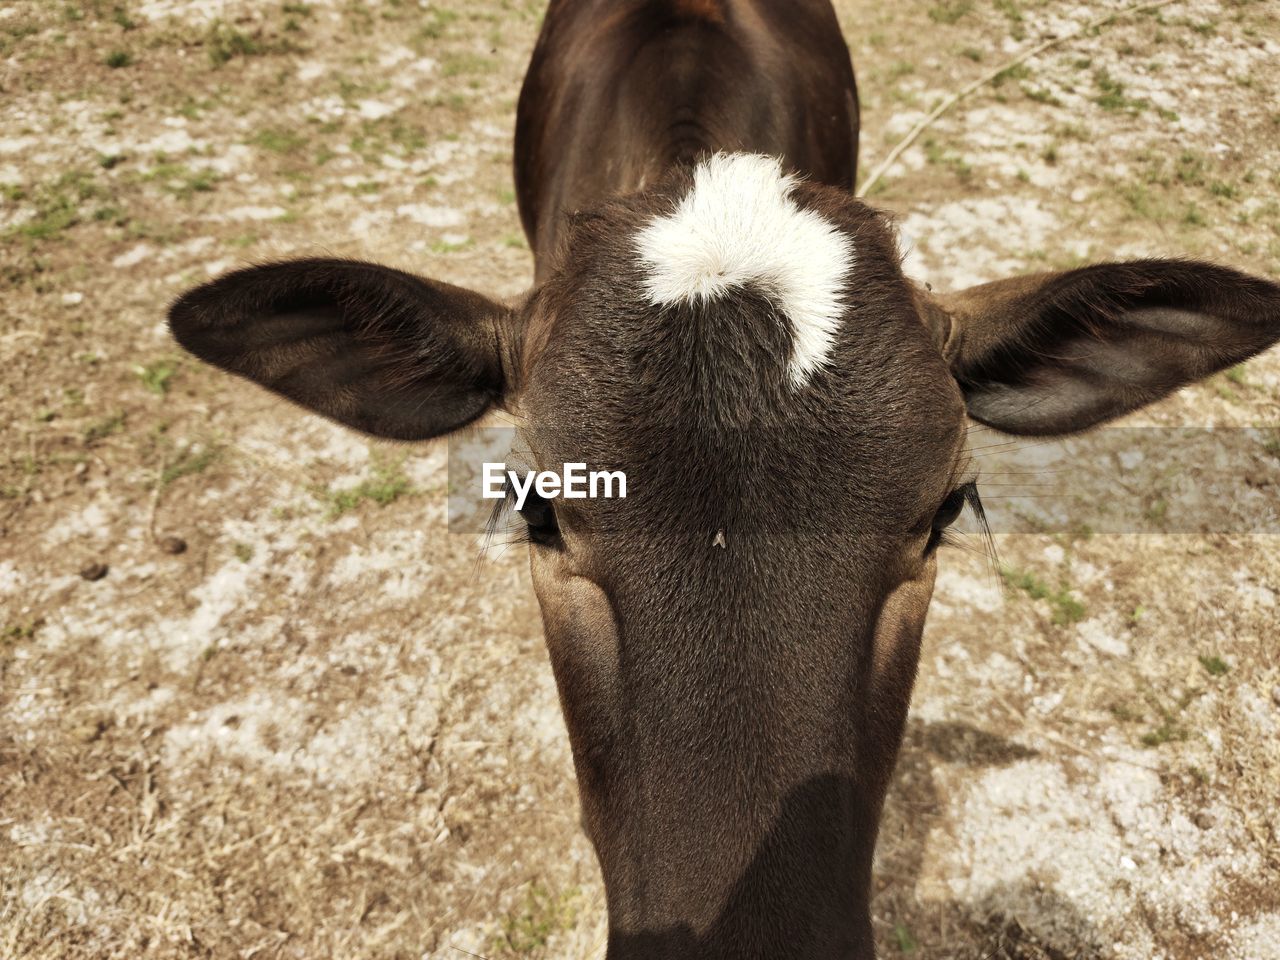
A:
x,y
324,729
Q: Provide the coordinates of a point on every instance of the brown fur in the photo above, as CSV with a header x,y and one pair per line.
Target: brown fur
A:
x,y
619,91
712,11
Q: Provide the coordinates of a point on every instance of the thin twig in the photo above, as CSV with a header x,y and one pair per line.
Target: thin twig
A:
x,y
952,99
155,499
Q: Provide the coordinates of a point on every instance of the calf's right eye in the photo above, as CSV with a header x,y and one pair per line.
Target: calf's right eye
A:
x,y
539,515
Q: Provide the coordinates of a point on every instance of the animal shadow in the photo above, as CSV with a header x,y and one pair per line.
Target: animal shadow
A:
x,y
953,929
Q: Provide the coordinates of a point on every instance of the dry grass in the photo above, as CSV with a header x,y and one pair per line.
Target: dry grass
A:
x,y
323,733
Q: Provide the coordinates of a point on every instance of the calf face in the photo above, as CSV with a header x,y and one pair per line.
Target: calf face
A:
x,y
736,641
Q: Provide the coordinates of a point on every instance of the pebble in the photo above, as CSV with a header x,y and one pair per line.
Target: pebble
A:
x,y
1275,695
173,545
1205,820
93,571
89,732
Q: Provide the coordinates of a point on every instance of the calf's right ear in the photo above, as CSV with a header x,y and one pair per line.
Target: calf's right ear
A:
x,y
385,352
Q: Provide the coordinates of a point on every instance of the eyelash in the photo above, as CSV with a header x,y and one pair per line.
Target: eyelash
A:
x,y
499,516
969,498
943,537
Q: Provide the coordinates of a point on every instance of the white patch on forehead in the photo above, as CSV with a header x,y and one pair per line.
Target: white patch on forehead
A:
x,y
739,225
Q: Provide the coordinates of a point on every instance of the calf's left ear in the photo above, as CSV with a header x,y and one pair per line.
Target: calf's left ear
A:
x,y
385,352
1053,353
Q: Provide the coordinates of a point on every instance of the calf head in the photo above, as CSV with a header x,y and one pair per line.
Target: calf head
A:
x,y
735,642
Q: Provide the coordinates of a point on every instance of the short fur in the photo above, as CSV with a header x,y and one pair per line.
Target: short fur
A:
x,y
618,91
738,226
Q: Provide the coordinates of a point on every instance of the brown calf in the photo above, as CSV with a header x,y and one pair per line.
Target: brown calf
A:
x,y
735,643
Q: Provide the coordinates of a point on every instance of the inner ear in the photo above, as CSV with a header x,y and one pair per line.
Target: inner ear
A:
x,y
1055,353
386,352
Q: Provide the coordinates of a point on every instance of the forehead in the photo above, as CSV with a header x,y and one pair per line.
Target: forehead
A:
x,y
735,299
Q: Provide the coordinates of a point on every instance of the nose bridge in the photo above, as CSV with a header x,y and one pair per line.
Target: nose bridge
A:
x,y
746,682
716,843
741,794
760,629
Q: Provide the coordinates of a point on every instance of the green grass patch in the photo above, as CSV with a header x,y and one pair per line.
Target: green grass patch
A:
x,y
1018,71
950,11
1190,169
14,33
903,940
120,17
1226,191
387,485
225,43
1170,729
1271,444
937,155
466,64
58,205
1167,732
156,376
1146,204
445,246
278,140
1041,95
106,427
1010,9
1112,97
23,630
180,180
437,25
118,59
1125,713
529,929
1214,665
189,463
1065,608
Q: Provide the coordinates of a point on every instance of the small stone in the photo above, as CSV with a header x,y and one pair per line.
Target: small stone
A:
x,y
90,731
1205,820
173,545
1275,696
93,571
